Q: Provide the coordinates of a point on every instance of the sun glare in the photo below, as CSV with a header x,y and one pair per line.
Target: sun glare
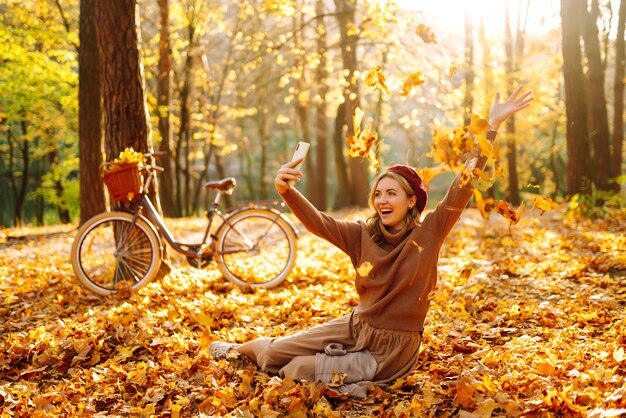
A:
x,y
449,15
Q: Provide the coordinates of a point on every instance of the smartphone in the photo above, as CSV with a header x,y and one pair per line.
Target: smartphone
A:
x,y
301,150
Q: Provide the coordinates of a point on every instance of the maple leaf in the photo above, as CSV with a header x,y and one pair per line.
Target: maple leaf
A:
x,y
544,203
481,180
376,80
443,149
505,209
363,143
425,33
413,80
429,173
478,125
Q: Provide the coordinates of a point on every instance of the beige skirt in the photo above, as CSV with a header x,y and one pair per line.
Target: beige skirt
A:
x,y
346,348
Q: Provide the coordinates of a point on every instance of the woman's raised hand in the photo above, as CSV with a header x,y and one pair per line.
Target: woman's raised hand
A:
x,y
501,111
287,173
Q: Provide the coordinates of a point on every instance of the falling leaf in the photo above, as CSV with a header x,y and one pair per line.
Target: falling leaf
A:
x,y
505,209
363,143
443,149
376,80
485,206
478,125
413,80
452,70
544,203
364,269
416,245
425,33
429,173
482,180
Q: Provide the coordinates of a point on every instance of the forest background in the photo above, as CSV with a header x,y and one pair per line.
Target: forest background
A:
x,y
231,86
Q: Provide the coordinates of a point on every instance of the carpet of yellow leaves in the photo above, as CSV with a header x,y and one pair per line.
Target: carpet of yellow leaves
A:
x,y
528,323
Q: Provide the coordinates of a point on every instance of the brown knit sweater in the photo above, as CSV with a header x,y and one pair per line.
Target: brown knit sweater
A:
x,y
394,294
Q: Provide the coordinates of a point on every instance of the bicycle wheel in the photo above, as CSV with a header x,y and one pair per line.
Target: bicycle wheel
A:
x,y
109,254
256,248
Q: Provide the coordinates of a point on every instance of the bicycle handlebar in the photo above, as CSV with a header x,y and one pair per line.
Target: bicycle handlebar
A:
x,y
156,154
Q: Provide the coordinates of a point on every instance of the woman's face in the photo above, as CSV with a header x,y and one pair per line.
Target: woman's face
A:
x,y
392,203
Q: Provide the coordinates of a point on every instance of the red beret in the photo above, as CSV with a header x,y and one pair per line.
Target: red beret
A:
x,y
415,181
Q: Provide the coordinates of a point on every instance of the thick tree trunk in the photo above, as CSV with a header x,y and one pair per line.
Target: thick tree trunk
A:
x,y
578,168
124,101
618,103
599,129
164,102
92,199
359,177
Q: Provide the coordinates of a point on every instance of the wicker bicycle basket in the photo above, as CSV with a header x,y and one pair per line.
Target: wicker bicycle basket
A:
x,y
122,180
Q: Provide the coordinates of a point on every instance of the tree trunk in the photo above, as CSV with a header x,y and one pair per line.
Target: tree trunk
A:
x,y
183,146
578,168
20,195
214,107
468,101
599,129
618,104
164,102
302,103
342,197
265,140
92,199
62,210
358,166
125,110
321,132
513,195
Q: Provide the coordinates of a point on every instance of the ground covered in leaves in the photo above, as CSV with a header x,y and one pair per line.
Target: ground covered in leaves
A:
x,y
524,322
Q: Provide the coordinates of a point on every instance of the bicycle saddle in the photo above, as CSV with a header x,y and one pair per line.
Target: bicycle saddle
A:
x,y
223,185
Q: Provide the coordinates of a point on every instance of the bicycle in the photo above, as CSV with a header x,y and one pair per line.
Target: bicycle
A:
x,y
253,246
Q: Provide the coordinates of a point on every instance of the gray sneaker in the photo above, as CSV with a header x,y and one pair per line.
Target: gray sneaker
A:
x,y
220,349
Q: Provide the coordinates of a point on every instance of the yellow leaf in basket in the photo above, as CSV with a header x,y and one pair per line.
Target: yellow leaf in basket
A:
x,y
130,156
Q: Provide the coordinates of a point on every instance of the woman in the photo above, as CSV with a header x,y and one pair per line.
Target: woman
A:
x,y
396,260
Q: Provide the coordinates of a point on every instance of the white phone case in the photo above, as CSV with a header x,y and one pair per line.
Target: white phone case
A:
x,y
301,150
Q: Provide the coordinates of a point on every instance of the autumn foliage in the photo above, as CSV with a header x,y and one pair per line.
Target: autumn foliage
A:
x,y
529,322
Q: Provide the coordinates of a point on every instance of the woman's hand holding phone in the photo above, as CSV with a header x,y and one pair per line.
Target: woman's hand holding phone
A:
x,y
290,172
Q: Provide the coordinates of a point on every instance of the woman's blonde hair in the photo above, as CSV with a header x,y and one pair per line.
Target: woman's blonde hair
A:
x,y
373,222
